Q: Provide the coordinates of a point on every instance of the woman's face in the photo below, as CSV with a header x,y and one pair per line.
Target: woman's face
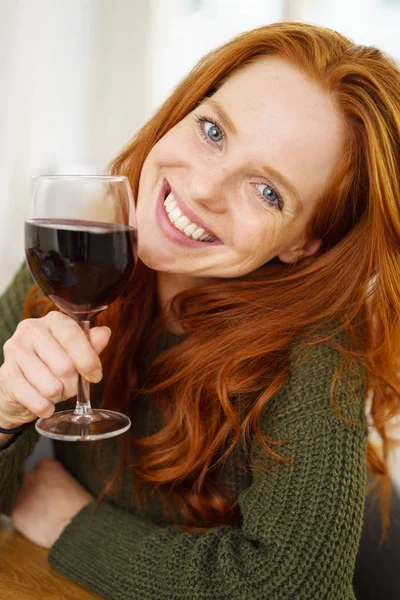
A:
x,y
242,174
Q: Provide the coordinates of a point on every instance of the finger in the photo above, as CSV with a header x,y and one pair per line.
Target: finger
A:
x,y
99,338
53,356
24,403
40,376
56,358
77,345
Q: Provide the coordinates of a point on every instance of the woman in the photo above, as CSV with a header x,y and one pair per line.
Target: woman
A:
x,y
267,191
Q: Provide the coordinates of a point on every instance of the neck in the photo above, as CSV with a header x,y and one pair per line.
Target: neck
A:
x,y
168,286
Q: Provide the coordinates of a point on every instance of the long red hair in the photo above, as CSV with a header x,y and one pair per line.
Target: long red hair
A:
x,y
239,331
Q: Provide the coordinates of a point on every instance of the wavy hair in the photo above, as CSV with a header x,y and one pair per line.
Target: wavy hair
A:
x,y
239,331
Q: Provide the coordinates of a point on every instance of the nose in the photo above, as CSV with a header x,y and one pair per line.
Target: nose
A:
x,y
209,187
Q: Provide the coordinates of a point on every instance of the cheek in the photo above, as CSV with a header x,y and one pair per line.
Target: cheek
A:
x,y
176,147
257,236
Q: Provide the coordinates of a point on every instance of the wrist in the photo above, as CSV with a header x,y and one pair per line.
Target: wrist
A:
x,y
5,439
7,424
7,434
13,430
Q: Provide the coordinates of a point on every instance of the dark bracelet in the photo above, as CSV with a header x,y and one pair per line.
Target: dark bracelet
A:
x,y
15,429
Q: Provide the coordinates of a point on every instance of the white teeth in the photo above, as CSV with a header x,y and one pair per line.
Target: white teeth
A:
x,y
170,206
181,223
169,199
174,215
189,229
198,233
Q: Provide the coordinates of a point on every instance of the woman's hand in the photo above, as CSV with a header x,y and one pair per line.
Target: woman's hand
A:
x,y
49,499
41,365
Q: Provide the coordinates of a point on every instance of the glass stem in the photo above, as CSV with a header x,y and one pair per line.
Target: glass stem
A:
x,y
83,399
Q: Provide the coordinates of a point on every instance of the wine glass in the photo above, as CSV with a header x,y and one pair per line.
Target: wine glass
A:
x,y
80,246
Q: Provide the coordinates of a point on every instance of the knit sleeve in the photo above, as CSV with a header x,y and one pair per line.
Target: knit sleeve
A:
x,y
301,520
13,457
11,305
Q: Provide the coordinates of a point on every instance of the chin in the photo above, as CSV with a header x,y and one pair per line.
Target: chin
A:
x,y
149,260
155,259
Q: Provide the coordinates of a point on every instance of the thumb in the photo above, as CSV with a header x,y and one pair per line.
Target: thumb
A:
x,y
99,338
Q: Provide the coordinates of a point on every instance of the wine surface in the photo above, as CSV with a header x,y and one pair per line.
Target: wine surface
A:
x,y
81,265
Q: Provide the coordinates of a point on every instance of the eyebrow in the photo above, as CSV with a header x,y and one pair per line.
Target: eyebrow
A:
x,y
270,171
285,183
222,115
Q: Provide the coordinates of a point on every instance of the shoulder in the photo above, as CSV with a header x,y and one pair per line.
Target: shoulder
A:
x,y
323,380
13,297
11,305
21,281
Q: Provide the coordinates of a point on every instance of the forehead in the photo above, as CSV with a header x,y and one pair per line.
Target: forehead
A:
x,y
285,119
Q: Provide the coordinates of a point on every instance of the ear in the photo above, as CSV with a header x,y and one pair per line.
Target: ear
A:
x,y
297,253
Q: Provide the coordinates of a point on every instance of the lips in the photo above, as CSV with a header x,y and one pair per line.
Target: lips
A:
x,y
169,230
186,210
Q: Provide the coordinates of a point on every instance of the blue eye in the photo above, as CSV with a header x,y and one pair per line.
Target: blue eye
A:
x,y
269,194
214,133
210,130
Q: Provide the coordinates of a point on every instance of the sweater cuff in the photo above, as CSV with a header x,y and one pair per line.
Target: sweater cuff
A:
x,y
12,460
22,444
97,535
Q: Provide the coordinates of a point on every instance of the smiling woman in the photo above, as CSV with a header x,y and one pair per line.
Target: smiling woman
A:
x,y
264,307
282,128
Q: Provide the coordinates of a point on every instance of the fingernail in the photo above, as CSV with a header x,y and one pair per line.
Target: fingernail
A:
x,y
96,376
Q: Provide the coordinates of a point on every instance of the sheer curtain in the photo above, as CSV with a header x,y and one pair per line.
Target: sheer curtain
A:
x,y
72,77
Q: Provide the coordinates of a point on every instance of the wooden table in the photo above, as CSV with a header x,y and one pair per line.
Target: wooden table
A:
x,y
25,573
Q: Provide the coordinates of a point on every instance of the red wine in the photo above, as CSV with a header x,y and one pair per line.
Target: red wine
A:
x,y
81,265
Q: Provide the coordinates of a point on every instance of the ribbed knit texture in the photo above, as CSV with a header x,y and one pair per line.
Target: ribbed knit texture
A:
x,y
301,522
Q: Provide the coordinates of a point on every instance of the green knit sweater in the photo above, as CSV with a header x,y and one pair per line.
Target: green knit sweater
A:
x,y
301,521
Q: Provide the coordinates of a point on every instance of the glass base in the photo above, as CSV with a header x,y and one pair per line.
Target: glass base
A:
x,y
70,427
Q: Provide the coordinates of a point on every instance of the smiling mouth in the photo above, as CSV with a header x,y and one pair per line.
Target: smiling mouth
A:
x,y
183,224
